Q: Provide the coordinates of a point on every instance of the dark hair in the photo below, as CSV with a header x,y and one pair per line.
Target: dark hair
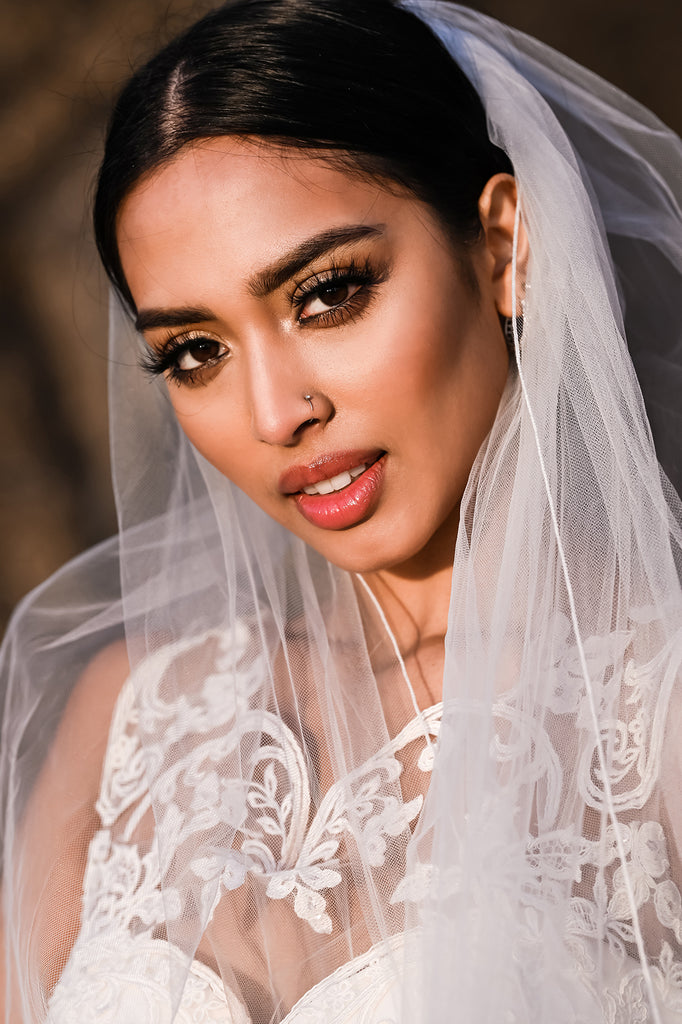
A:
x,y
365,81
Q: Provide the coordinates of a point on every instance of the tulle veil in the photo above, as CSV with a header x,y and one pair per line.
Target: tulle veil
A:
x,y
511,855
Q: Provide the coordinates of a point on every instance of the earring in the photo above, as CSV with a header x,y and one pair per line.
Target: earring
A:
x,y
507,324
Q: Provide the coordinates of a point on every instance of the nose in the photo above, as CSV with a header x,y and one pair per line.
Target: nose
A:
x,y
284,399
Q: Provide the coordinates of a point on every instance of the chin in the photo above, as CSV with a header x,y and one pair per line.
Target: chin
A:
x,y
372,555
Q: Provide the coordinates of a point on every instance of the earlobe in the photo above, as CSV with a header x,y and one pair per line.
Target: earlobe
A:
x,y
497,209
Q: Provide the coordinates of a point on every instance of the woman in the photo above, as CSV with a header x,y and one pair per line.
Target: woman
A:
x,y
392,735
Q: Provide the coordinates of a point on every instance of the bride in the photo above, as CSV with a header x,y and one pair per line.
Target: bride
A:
x,y
370,711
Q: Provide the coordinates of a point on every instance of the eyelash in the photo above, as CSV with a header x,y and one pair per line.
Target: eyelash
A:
x,y
166,359
364,275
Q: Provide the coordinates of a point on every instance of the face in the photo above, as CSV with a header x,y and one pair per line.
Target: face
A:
x,y
263,276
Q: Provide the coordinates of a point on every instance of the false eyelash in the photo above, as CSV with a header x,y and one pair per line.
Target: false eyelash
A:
x,y
157,362
363,274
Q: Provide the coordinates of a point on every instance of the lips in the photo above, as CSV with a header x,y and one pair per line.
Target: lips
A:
x,y
350,483
326,468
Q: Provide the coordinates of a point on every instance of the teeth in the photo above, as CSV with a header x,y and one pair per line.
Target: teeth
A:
x,y
335,483
340,480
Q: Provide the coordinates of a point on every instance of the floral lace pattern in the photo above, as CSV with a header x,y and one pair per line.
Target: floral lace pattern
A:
x,y
132,889
103,983
126,893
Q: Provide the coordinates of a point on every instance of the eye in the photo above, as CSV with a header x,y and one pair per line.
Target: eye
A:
x,y
198,352
338,295
185,358
327,296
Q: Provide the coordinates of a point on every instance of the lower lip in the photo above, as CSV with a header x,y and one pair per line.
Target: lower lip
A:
x,y
341,509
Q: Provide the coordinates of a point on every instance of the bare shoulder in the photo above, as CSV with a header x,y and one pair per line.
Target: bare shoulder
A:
x,y
63,799
84,727
74,761
56,827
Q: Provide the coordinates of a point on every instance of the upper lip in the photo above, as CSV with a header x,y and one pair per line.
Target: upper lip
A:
x,y
296,478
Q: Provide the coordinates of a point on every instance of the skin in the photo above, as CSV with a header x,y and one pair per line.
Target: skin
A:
x,y
413,364
417,371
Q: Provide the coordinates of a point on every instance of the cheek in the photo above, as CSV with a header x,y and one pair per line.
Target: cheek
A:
x,y
451,374
216,430
403,351
433,350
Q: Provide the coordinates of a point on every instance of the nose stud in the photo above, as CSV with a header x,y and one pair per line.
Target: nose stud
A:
x,y
309,400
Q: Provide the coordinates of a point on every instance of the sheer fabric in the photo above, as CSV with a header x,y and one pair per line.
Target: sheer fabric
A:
x,y
251,824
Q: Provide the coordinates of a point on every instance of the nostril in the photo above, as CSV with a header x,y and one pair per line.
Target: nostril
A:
x,y
280,417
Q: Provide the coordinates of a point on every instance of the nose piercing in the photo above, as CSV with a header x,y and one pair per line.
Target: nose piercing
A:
x,y
309,400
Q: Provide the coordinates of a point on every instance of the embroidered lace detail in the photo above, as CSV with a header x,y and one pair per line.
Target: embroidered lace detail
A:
x,y
255,826
636,733
127,894
120,979
367,990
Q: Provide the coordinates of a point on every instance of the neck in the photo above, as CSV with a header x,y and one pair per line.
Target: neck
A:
x,y
415,599
416,608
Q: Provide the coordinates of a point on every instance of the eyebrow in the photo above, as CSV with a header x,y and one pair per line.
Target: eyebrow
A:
x,y
273,277
267,280
149,319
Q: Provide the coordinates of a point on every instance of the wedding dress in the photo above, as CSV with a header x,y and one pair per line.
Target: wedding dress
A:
x,y
258,824
124,910
122,882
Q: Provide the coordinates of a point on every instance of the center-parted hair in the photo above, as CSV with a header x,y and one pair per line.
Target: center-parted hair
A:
x,y
364,82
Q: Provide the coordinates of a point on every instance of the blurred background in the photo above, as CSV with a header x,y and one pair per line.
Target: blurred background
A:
x,y
62,61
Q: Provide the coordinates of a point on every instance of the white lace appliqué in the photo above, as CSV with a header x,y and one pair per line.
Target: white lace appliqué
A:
x,y
256,826
130,891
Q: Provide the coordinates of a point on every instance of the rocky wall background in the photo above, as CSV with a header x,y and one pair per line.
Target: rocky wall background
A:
x,y
61,61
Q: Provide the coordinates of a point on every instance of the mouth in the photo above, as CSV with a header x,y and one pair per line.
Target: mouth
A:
x,y
336,483
337,491
328,473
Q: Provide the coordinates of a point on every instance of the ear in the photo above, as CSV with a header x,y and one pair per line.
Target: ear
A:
x,y
497,210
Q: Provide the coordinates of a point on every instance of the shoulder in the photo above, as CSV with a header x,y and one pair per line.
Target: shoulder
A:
x,y
53,833
74,760
90,708
62,802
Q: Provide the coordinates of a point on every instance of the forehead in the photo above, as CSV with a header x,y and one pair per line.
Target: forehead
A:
x,y
247,200
241,170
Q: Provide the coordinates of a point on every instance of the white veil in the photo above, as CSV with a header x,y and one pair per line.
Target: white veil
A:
x,y
564,646
265,817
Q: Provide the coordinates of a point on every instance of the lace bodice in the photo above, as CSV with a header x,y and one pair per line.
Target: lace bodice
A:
x,y
120,969
110,989
125,966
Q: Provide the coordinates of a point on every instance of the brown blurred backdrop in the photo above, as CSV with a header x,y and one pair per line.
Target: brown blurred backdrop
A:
x,y
61,63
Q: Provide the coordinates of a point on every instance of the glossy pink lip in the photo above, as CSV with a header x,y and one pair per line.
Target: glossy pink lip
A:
x,y
347,507
295,479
